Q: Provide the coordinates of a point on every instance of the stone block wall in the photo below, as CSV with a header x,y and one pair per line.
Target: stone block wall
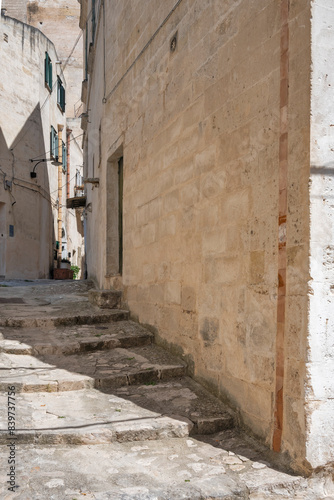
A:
x,y
216,143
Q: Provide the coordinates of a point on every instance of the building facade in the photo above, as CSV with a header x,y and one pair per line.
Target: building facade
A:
x,y
208,155
59,22
32,122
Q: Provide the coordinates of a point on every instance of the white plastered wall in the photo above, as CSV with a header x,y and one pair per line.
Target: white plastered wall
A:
x,y
320,384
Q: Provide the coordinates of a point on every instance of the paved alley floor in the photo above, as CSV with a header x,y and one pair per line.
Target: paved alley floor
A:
x,y
91,408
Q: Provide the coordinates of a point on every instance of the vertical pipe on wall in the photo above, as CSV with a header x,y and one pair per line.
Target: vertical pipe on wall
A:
x,y
68,145
60,191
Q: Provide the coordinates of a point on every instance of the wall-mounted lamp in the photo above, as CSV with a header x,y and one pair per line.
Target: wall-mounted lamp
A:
x,y
55,161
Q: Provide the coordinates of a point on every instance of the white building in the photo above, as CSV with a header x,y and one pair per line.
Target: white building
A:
x,y
32,126
58,21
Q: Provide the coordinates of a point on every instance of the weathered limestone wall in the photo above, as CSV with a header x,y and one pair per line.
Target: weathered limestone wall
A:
x,y
27,112
59,21
16,9
320,368
202,130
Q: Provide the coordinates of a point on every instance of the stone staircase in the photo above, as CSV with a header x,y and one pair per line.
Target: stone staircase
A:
x,y
101,412
100,382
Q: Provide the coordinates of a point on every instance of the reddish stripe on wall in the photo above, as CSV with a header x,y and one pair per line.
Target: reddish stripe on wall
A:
x,y
282,260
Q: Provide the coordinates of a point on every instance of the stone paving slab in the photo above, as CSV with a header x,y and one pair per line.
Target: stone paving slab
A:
x,y
107,465
73,339
51,316
48,303
120,366
174,469
84,417
30,374
182,397
45,286
102,369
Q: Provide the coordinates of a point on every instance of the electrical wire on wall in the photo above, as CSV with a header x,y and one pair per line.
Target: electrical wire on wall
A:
x,y
46,195
54,85
74,176
47,152
40,191
63,68
106,97
21,183
16,182
49,94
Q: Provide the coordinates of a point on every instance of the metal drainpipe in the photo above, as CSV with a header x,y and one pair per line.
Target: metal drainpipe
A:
x,y
60,191
68,142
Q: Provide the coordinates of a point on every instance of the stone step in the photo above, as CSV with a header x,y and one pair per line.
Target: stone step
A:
x,y
84,417
185,399
73,340
173,469
82,317
100,369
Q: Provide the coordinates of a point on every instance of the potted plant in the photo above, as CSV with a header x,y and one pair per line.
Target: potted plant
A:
x,y
75,270
65,264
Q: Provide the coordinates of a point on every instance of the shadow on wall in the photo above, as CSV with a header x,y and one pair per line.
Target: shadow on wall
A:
x,y
80,226
83,269
30,237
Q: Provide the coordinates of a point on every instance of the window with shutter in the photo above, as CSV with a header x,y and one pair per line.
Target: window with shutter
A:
x,y
48,72
54,144
61,95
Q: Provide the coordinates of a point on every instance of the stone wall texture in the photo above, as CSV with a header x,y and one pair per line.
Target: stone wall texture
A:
x,y
215,137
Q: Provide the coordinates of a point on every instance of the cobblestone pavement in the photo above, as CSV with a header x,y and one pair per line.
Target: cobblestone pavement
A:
x,y
103,413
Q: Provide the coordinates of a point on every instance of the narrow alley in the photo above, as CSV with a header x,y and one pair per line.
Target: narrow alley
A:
x,y
101,412
166,249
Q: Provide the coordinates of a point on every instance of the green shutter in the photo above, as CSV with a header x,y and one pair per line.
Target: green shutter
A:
x,y
51,141
56,147
62,98
58,91
61,95
48,71
50,74
46,68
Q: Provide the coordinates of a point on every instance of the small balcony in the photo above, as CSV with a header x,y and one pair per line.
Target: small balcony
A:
x,y
79,199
